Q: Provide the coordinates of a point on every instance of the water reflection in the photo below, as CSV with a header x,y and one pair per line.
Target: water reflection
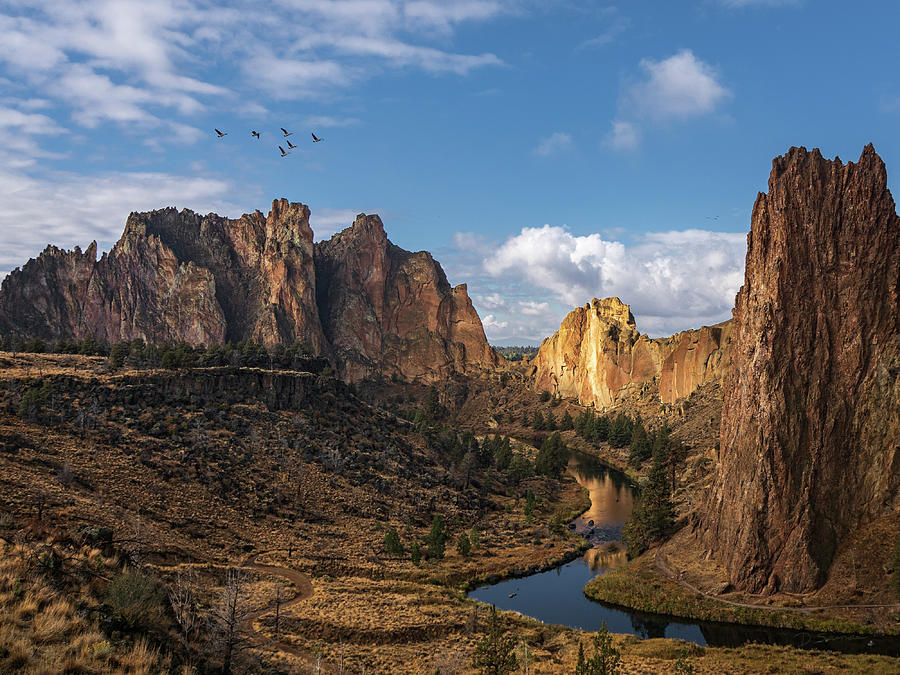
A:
x,y
556,596
611,500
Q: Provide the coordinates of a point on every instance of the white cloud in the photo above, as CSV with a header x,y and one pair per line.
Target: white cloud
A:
x,y
556,142
679,87
674,280
492,325
122,61
493,301
532,308
623,136
673,89
68,210
325,222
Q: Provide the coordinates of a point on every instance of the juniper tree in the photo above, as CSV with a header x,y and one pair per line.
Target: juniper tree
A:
x,y
495,653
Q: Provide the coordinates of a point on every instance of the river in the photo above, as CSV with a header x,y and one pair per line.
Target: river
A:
x,y
556,596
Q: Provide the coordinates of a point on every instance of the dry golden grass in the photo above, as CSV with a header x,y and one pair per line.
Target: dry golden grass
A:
x,y
41,632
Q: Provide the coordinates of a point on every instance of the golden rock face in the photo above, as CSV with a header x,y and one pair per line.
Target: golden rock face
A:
x,y
599,356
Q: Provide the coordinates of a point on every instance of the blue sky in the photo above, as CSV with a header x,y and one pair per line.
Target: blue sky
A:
x,y
545,152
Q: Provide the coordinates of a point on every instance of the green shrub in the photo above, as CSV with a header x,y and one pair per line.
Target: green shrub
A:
x,y
136,600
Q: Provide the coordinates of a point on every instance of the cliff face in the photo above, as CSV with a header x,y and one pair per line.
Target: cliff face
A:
x,y
598,356
386,310
811,418
178,276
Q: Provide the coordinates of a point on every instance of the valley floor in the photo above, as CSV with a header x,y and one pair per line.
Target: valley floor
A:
x,y
192,485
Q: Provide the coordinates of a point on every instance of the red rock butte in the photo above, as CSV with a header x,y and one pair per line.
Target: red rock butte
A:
x,y
177,276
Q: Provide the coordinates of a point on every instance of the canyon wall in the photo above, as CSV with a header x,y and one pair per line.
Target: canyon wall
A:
x,y
811,419
389,311
599,357
177,276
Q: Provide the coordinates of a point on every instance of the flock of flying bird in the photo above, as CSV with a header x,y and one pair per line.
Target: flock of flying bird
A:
x,y
286,133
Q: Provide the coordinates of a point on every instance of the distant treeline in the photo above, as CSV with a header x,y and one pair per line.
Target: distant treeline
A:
x,y
516,353
140,354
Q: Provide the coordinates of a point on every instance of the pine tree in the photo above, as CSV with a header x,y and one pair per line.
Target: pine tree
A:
x,y
640,450
566,422
550,422
620,434
475,538
437,538
538,421
463,545
551,458
495,653
392,542
415,552
601,429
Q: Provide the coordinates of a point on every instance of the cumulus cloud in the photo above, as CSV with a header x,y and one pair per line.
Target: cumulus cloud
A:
x,y
554,143
492,325
677,88
673,280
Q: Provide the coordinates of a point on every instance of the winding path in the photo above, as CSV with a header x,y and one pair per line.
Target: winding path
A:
x,y
304,590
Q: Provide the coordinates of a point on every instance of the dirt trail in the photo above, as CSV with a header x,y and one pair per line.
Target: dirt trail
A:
x,y
661,564
304,590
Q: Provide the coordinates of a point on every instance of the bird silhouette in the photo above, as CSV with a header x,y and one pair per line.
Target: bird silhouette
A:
x,y
221,133
316,139
291,146
283,153
286,132
254,134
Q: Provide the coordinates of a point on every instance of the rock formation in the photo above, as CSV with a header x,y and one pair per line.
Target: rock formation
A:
x,y
599,357
386,310
177,276
811,418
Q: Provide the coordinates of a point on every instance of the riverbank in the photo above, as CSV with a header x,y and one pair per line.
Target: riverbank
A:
x,y
646,585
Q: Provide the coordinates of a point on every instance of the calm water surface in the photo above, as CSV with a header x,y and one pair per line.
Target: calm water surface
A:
x,y
556,596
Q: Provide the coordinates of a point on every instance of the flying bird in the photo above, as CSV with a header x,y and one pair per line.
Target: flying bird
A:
x,y
255,134
291,146
283,153
286,132
316,139
221,133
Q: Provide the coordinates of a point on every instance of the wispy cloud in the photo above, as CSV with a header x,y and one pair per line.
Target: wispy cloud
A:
x,y
614,24
554,143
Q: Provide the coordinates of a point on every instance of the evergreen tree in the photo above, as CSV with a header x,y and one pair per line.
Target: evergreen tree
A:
x,y
552,457
640,449
601,429
526,420
550,422
580,422
437,538
566,422
415,553
538,421
530,504
392,542
519,469
475,538
495,653
620,433
463,545
653,514
606,660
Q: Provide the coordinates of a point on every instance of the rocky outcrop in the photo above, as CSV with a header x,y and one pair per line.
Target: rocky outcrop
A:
x,y
811,417
385,310
177,276
599,357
